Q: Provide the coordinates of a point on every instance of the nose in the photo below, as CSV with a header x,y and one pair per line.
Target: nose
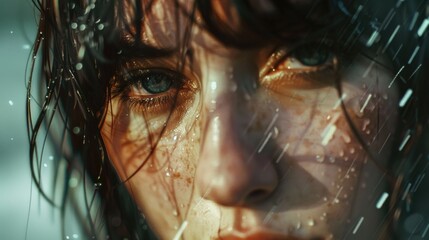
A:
x,y
230,170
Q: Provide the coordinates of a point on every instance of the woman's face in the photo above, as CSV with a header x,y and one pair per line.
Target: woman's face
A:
x,y
248,144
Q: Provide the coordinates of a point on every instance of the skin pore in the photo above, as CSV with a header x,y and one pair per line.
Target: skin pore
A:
x,y
244,144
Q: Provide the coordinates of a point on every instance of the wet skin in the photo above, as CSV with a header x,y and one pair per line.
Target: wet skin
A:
x,y
248,141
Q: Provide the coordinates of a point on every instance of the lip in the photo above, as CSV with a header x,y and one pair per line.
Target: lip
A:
x,y
256,235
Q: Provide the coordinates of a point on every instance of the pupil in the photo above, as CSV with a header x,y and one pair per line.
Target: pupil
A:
x,y
312,56
156,83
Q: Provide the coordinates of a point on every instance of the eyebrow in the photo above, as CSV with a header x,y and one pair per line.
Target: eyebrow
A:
x,y
129,47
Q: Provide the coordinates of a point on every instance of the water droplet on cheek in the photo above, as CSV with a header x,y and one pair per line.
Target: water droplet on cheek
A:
x,y
320,158
175,213
311,222
365,124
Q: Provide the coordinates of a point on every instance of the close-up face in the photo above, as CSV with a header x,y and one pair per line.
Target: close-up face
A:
x,y
284,140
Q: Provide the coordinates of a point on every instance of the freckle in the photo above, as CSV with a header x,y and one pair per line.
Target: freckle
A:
x,y
176,175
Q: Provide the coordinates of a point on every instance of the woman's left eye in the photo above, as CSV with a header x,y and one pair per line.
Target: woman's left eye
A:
x,y
312,56
308,66
307,57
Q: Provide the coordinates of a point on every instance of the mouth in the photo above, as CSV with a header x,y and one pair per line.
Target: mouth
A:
x,y
258,235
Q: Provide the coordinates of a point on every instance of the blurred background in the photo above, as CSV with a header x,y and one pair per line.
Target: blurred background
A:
x,y
23,213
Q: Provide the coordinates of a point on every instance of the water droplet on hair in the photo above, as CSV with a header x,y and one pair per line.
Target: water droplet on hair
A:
x,y
73,25
82,27
76,130
79,66
100,26
97,185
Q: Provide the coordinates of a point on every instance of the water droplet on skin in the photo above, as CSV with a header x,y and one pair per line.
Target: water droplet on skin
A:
x,y
298,225
73,25
365,124
325,199
311,222
341,153
352,150
10,102
168,172
275,132
175,213
385,96
75,236
45,165
320,158
346,138
328,117
331,159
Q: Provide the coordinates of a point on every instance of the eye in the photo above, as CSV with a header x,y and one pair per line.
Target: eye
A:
x,y
152,81
312,55
308,66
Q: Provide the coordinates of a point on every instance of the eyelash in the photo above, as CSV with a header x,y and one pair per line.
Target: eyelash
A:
x,y
307,77
152,102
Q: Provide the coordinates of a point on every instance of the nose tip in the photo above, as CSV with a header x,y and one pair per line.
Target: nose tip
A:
x,y
229,172
238,190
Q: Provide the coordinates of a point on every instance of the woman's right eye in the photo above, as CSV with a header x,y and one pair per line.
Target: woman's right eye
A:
x,y
152,82
151,90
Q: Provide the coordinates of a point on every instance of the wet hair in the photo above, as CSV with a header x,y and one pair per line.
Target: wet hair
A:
x,y
78,47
